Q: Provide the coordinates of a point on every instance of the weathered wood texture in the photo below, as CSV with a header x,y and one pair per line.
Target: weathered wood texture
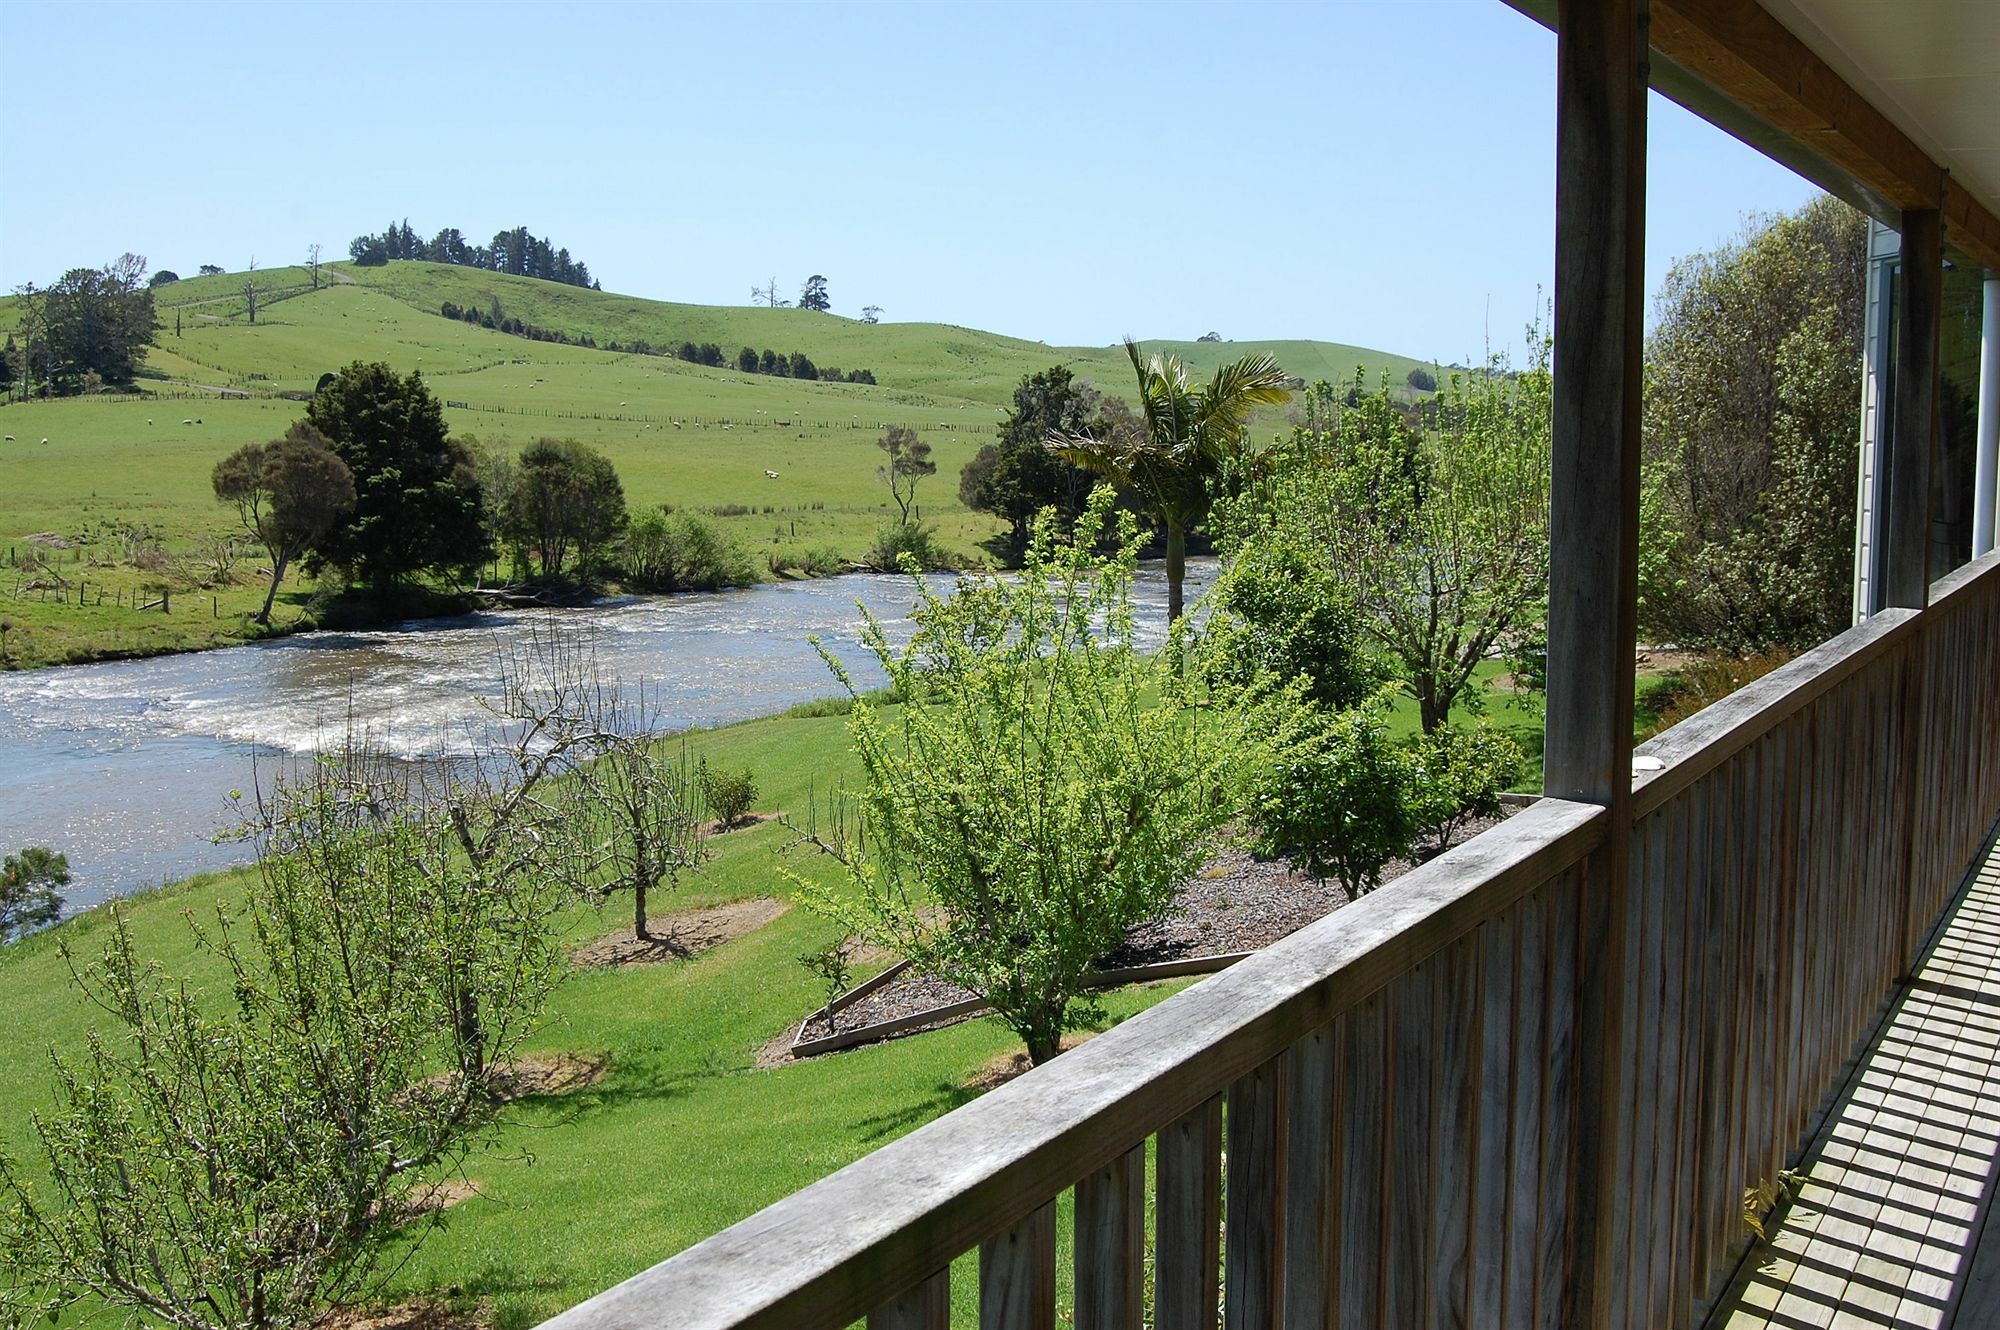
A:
x,y
1398,1089
1911,455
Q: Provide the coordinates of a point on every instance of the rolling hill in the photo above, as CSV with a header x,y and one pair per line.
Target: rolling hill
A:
x,y
125,472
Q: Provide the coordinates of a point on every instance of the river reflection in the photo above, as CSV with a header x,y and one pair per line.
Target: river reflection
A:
x,y
127,767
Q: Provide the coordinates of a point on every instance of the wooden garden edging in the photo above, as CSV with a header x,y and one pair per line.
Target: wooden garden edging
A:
x,y
951,1011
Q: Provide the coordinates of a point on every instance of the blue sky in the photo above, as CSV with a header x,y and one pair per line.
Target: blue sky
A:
x,y
1376,173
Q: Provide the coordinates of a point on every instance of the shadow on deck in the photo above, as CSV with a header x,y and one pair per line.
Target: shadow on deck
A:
x,y
1894,1224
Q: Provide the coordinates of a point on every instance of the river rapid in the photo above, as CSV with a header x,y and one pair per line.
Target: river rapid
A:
x,y
128,767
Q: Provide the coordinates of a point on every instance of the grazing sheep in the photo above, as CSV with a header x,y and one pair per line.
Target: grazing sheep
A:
x,y
149,420
10,438
772,474
45,438
187,420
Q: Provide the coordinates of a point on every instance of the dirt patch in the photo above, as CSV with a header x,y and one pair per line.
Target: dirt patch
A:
x,y
679,936
748,820
535,1074
1007,1066
1240,902
418,1314
442,1196
48,540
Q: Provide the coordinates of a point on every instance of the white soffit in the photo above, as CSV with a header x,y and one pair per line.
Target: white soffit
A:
x,y
1931,66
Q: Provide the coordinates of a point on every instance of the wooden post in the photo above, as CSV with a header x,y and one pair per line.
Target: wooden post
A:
x,y
1906,535
1601,79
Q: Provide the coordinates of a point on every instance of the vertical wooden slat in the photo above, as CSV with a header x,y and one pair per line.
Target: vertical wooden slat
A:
x,y
1017,1275
1642,1044
925,1307
1111,1244
1187,1220
1365,1108
1668,928
1690,1279
1487,1237
1562,1103
1454,1013
1410,1191
1254,1183
1526,1201
1310,1107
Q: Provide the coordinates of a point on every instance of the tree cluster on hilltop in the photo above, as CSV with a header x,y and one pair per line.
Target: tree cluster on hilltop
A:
x,y
518,252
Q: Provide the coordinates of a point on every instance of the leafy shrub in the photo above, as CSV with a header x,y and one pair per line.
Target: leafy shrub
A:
x,y
1044,786
29,898
834,965
680,552
815,561
1338,798
1281,612
1456,775
1422,380
841,704
912,538
728,794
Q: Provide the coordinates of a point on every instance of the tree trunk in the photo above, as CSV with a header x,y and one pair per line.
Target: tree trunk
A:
x,y
1042,1047
1176,569
1433,712
277,575
639,929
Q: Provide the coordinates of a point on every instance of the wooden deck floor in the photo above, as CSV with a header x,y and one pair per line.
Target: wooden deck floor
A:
x,y
1894,1226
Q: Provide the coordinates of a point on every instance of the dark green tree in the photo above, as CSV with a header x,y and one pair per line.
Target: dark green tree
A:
x,y
95,321
164,277
289,494
803,368
28,890
746,360
566,500
416,492
773,363
1018,476
813,296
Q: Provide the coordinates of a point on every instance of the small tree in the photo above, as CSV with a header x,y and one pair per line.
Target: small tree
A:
x,y
644,811
767,294
238,1164
566,498
1338,799
746,360
1441,534
29,898
728,794
909,462
312,263
1044,787
250,288
288,494
1284,614
871,313
813,295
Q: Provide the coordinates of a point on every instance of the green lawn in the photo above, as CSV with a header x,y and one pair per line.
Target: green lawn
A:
x,y
681,434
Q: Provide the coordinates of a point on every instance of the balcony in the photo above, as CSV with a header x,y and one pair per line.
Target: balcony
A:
x,y
1531,1083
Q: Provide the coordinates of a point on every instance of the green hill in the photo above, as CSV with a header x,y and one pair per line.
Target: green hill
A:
x,y
117,470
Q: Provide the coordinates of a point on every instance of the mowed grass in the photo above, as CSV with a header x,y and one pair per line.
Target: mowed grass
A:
x,y
691,436
683,1135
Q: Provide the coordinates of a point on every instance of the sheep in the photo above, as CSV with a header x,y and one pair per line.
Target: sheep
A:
x,y
10,438
149,420
772,474
187,420
45,438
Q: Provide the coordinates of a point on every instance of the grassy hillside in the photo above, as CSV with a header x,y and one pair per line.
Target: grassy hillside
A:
x,y
682,434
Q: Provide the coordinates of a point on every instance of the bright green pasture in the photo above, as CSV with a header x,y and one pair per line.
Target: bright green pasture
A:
x,y
683,1136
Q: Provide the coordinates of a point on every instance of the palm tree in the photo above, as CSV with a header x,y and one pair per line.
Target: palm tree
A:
x,y
1190,432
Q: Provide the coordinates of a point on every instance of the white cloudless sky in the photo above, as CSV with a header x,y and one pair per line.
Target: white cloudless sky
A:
x,y
1373,173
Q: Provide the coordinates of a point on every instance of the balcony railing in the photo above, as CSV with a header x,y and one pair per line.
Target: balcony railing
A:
x,y
1376,1122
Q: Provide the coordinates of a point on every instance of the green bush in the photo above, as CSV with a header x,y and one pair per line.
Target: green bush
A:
x,y
728,794
1044,786
814,561
912,538
680,552
1456,775
1281,612
1338,798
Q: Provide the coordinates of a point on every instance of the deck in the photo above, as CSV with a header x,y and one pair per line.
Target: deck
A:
x,y
1894,1225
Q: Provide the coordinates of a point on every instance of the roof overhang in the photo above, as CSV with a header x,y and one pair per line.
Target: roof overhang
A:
x,y
1890,107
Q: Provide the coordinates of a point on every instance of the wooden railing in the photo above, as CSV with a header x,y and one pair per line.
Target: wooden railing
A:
x,y
1373,1123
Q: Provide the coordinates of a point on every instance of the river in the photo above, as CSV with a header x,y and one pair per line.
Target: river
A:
x,y
127,767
